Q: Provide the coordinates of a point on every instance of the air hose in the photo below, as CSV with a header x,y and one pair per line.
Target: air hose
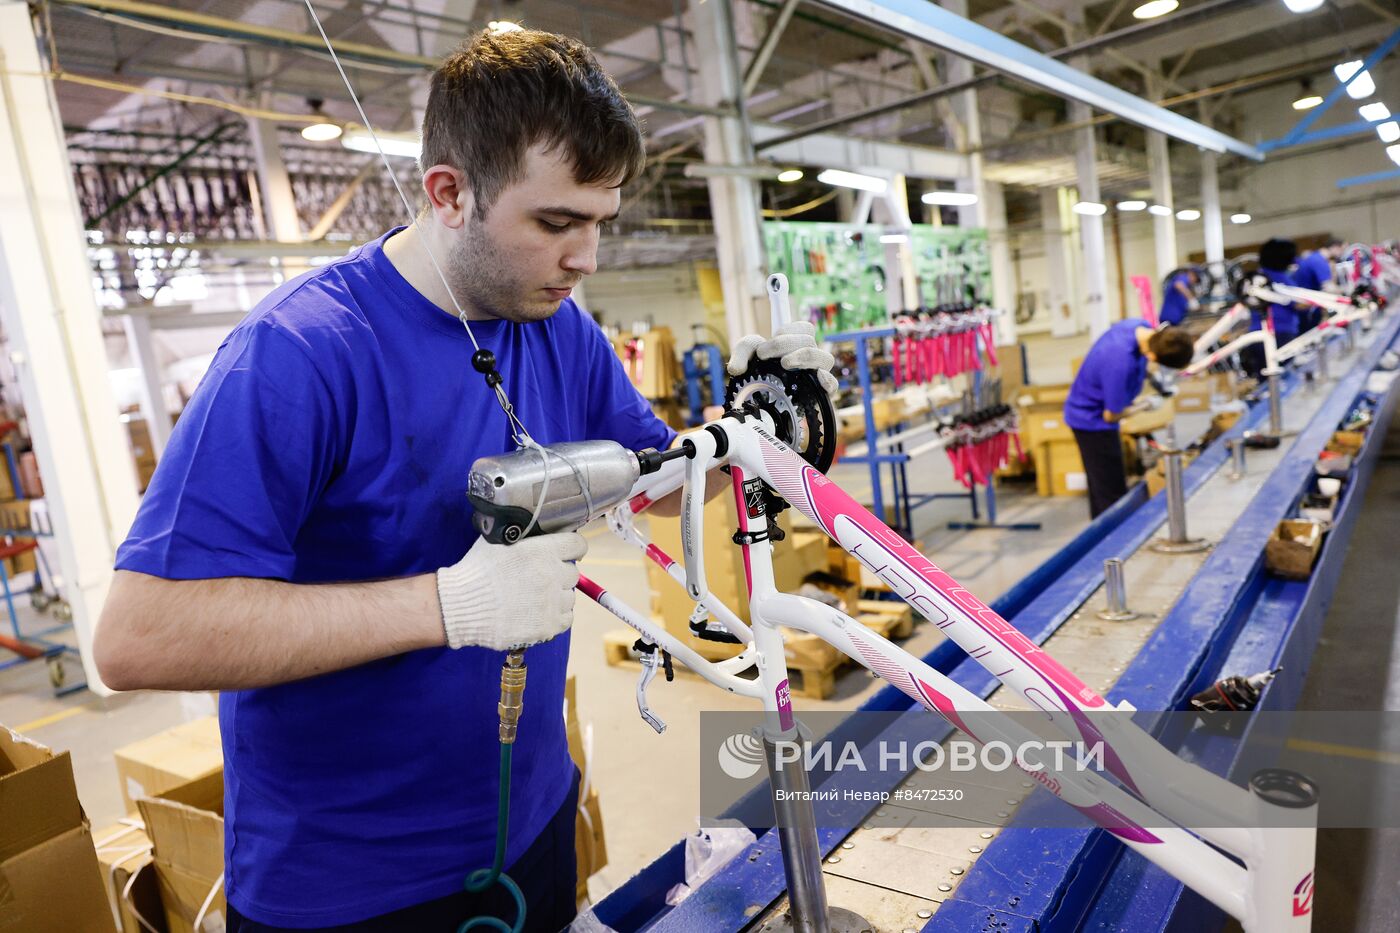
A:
x,y
512,692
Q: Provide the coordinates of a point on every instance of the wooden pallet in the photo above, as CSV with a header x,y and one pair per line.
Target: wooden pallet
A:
x,y
886,618
812,677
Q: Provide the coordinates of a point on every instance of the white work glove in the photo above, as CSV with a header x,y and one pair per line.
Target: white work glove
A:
x,y
794,345
501,596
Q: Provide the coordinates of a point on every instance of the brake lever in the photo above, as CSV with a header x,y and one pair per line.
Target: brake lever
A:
x,y
652,657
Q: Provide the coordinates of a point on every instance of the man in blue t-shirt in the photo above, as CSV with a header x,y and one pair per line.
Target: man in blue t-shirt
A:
x,y
1179,298
305,546
1315,272
1102,394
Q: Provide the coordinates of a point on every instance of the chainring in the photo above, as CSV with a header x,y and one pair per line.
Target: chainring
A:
x,y
802,413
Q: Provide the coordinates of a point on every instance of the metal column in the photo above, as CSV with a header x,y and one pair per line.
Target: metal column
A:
x,y
1003,294
1212,229
734,200
1056,223
1160,171
141,342
1094,293
55,334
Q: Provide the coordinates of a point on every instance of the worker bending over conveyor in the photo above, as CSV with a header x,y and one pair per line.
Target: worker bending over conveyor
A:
x,y
1102,395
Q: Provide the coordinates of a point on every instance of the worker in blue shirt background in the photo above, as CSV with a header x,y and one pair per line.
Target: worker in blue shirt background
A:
x,y
1277,261
1179,297
1315,272
1102,394
306,546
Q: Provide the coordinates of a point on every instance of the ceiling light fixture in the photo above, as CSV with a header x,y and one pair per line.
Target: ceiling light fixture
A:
x,y
1089,208
1161,210
321,132
1132,206
1389,132
1240,218
325,129
1302,6
1394,153
789,175
1189,213
1155,8
843,179
1362,86
949,198
402,145
1374,112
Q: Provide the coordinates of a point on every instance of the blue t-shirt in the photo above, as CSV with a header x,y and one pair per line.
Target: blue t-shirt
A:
x,y
1313,271
1174,303
1110,377
331,441
1285,317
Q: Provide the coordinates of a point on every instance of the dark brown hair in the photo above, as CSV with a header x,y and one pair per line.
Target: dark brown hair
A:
x,y
501,93
1172,346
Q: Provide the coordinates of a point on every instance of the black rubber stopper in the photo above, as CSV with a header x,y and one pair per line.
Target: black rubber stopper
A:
x,y
484,362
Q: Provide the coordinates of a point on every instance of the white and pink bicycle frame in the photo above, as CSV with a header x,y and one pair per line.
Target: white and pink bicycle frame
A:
x,y
1270,893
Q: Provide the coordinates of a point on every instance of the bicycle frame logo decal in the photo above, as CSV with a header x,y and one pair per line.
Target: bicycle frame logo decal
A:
x,y
1302,896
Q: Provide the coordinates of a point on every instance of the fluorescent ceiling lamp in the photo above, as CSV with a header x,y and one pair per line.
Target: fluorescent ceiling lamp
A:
x,y
1394,153
1363,86
1091,208
403,145
788,176
894,238
1155,8
1132,205
1302,6
949,198
1307,102
1188,214
1161,210
1389,131
1240,218
1374,111
321,132
834,176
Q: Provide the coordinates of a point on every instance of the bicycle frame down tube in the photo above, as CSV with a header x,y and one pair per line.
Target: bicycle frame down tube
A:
x,y
1279,861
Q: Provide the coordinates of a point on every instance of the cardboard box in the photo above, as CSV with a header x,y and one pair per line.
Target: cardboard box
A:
x,y
1145,422
124,855
49,879
1051,394
1059,471
1292,549
186,826
1157,476
590,846
169,759
1347,442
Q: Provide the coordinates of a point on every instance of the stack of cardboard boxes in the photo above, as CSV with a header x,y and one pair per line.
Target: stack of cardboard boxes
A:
x,y
164,861
49,877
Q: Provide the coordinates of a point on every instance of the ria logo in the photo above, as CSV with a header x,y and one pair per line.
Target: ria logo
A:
x,y
740,756
1302,896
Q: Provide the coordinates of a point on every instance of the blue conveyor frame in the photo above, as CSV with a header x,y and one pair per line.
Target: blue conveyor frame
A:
x,y
1233,619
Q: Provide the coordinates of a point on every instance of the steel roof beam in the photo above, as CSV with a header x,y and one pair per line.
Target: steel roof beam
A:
x,y
926,22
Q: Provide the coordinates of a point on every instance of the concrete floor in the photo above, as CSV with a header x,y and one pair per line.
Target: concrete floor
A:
x,y
1356,888
630,762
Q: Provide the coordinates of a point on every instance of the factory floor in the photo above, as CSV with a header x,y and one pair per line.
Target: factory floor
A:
x,y
648,783
1357,667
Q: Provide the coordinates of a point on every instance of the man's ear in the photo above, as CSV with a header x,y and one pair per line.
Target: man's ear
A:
x,y
449,195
